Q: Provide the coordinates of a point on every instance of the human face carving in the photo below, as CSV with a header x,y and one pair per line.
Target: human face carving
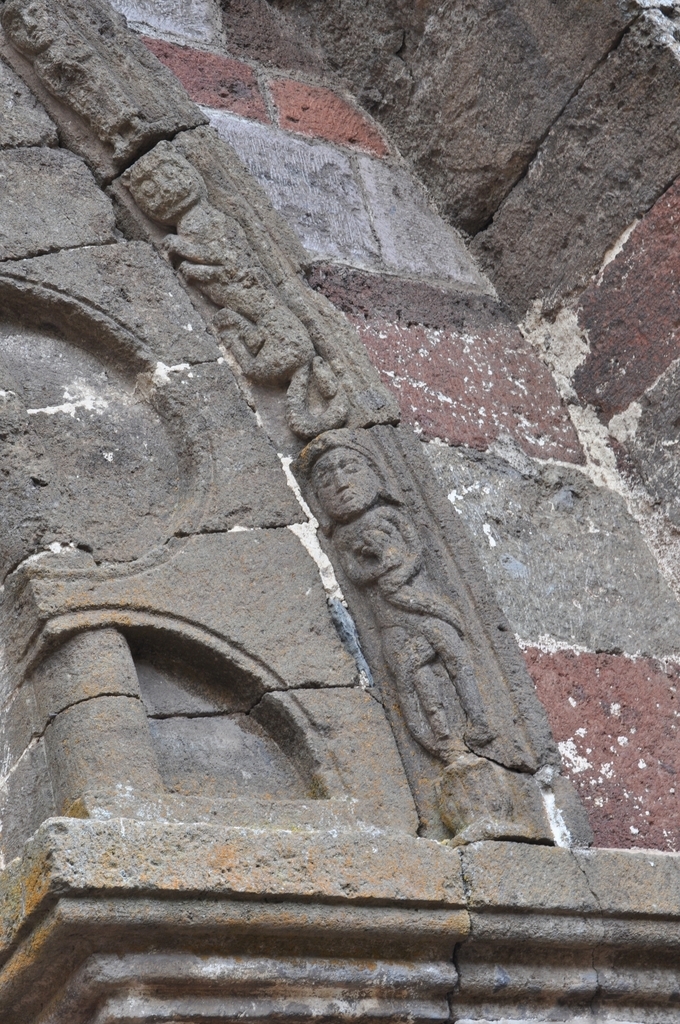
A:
x,y
30,28
345,484
164,189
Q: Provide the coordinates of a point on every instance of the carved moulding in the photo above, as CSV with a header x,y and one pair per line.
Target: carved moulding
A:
x,y
109,95
243,265
472,734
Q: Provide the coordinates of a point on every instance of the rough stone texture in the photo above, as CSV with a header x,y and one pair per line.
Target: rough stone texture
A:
x,y
651,445
604,162
652,884
313,110
26,800
631,313
353,734
469,387
616,721
251,598
23,122
256,30
312,186
196,21
444,81
122,99
126,285
215,81
564,557
414,240
50,201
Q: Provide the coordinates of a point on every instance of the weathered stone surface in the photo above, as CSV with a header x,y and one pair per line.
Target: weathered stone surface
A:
x,y
321,113
447,670
81,856
652,883
26,800
469,386
565,557
215,81
91,665
414,240
616,721
101,743
223,756
23,122
196,21
506,876
631,313
256,30
605,161
50,201
350,751
651,444
252,598
444,81
120,101
312,186
125,283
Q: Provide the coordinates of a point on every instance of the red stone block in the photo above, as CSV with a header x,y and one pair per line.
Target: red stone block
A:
x,y
313,110
617,721
467,387
632,315
214,81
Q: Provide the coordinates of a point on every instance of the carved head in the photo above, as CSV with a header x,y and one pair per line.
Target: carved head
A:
x,y
31,26
164,184
345,483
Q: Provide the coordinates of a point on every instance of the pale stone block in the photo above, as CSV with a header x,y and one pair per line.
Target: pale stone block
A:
x,y
192,21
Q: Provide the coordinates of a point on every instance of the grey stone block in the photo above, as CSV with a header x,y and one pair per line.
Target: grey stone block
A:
x,y
127,283
50,201
565,557
635,882
311,184
654,444
188,21
23,122
18,726
605,161
414,240
514,876
224,756
25,800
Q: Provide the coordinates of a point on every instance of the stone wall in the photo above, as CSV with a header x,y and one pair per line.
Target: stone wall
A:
x,y
573,522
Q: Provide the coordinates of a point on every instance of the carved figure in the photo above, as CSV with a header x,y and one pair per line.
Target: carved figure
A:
x,y
72,70
212,253
423,640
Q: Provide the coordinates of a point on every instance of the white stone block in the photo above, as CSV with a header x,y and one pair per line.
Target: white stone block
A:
x,y
189,21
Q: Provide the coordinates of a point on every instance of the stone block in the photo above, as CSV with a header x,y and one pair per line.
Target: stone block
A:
x,y
257,31
650,441
75,856
414,240
121,101
517,876
92,664
311,185
630,313
468,386
18,726
444,81
193,21
565,558
26,800
321,113
635,882
23,122
616,721
347,748
127,283
605,161
102,743
252,598
213,80
50,201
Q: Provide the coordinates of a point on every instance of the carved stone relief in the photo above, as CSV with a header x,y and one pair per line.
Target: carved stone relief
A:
x,y
109,94
471,731
280,333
